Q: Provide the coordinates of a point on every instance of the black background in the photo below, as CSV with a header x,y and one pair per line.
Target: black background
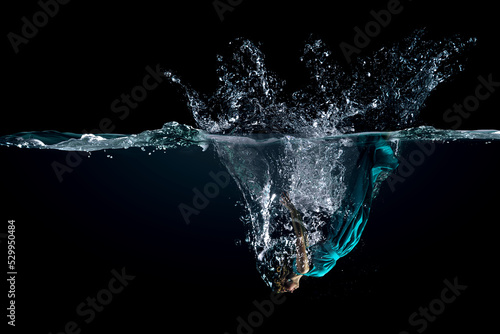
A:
x,y
122,212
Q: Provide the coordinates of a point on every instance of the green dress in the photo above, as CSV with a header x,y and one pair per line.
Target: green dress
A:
x,y
347,223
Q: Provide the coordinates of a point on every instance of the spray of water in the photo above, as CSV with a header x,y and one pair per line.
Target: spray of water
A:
x,y
380,92
303,142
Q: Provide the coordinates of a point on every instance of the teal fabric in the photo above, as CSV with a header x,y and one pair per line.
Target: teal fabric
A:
x,y
349,221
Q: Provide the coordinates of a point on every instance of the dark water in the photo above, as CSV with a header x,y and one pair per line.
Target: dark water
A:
x,y
312,170
123,211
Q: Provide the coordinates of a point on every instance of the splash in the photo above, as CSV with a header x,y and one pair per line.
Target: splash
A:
x,y
305,142
384,91
171,135
174,135
381,92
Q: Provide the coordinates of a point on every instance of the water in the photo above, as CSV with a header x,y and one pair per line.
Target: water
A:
x,y
305,142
